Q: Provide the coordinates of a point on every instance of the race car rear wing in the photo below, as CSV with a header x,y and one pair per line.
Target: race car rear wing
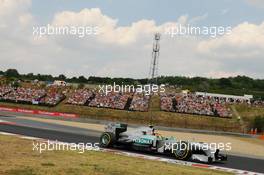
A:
x,y
116,128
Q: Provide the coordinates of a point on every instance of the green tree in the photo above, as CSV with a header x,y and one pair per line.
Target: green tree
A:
x,y
82,79
62,77
225,82
30,76
12,73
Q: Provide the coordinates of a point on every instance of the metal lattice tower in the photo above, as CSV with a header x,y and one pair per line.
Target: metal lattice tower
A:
x,y
153,71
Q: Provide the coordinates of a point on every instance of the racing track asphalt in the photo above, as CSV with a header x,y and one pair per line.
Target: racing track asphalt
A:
x,y
78,135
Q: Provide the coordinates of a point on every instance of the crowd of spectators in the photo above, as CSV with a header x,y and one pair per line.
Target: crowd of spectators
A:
x,y
221,110
194,104
49,97
166,102
114,100
4,90
140,102
80,97
25,95
190,103
52,98
258,103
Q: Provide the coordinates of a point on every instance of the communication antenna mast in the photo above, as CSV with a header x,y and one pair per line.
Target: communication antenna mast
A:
x,y
153,72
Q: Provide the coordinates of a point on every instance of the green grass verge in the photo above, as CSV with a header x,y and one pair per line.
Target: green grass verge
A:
x,y
248,114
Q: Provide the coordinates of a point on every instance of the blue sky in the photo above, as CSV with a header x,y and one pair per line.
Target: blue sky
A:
x,y
236,11
123,48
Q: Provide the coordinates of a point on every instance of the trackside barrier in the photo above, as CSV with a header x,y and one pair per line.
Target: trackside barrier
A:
x,y
261,137
38,112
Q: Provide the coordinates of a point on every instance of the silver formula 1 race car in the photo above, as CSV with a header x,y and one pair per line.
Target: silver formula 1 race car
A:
x,y
146,139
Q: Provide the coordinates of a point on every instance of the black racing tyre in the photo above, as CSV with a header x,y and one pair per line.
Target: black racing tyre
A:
x,y
182,151
107,140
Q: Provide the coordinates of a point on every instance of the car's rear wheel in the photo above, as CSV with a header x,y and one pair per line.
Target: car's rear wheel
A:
x,y
182,151
107,140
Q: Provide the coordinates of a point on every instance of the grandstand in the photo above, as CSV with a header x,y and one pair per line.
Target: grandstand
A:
x,y
191,103
47,97
198,103
113,100
81,97
140,102
5,90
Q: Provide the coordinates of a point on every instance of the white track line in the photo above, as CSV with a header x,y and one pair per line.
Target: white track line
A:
x,y
7,122
8,134
30,138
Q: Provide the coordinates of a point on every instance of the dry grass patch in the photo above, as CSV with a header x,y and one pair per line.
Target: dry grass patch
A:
x,y
17,158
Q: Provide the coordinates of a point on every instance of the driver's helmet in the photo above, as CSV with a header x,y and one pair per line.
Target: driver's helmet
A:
x,y
152,130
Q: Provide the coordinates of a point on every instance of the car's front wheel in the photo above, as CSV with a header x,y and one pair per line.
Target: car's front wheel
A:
x,y
182,151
